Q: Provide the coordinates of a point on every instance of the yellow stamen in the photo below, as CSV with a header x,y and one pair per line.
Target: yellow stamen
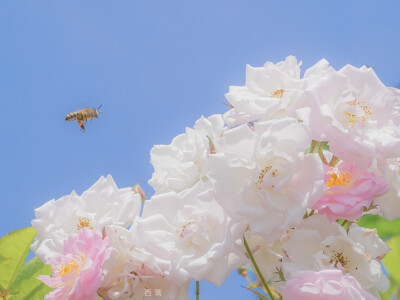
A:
x,y
338,178
277,94
71,266
262,174
352,118
84,223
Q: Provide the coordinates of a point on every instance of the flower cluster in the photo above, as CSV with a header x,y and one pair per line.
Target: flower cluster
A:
x,y
265,183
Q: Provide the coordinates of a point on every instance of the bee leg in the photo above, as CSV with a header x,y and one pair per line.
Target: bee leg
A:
x,y
82,126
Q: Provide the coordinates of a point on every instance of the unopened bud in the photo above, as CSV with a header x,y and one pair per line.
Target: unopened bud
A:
x,y
242,271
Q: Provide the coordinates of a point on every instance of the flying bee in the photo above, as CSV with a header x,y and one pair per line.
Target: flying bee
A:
x,y
83,115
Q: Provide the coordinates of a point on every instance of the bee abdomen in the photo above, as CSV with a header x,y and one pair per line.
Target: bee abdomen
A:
x,y
75,115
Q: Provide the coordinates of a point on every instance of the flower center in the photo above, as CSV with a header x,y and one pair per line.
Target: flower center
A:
x,y
277,94
338,178
338,258
196,230
84,223
262,174
185,230
71,266
357,111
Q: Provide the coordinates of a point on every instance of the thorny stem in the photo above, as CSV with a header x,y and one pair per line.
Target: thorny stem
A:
x,y
257,269
197,290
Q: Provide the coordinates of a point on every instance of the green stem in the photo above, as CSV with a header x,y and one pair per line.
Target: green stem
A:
x,y
333,161
343,223
313,144
197,290
321,153
257,269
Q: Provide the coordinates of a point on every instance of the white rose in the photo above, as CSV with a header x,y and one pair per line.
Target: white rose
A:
x,y
269,93
389,203
265,176
183,163
192,232
131,273
317,244
102,204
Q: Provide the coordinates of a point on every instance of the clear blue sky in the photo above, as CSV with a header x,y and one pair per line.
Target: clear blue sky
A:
x,y
156,67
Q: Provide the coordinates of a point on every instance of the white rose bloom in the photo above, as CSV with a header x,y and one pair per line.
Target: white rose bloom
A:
x,y
269,93
193,233
353,111
132,273
389,203
265,176
370,240
102,204
317,244
183,163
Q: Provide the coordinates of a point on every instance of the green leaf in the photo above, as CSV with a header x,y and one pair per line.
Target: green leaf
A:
x,y
26,285
386,229
392,259
325,146
14,248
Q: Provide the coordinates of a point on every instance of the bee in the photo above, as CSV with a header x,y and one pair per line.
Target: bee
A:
x,y
83,115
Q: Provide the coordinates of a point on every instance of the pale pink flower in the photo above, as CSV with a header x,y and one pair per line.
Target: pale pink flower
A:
x,y
329,284
77,273
348,190
354,111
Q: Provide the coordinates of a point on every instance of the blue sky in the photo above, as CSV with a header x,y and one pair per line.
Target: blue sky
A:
x,y
156,67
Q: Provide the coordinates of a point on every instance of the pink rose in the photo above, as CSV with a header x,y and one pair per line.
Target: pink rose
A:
x,y
77,273
329,284
348,190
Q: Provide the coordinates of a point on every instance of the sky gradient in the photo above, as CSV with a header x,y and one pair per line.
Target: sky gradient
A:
x,y
156,67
